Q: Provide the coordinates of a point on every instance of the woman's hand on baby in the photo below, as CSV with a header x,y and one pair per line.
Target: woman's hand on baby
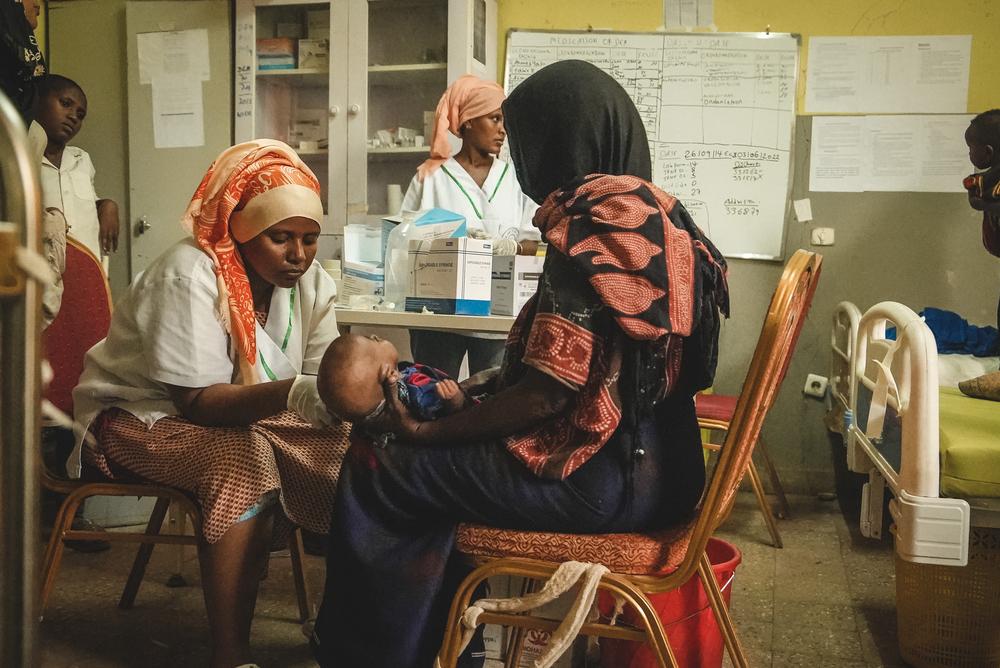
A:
x,y
451,394
395,418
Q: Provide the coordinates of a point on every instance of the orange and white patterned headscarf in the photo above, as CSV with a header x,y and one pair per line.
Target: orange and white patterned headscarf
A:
x,y
467,98
249,188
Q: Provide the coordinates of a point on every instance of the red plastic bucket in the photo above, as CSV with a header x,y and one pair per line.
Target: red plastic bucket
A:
x,y
686,616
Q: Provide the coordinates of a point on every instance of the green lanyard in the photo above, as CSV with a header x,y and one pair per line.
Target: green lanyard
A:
x,y
506,166
288,334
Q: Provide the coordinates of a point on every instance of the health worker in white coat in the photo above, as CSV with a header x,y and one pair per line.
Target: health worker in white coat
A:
x,y
481,187
206,381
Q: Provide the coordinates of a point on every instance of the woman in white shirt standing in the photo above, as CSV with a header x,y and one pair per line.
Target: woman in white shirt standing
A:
x,y
207,352
482,188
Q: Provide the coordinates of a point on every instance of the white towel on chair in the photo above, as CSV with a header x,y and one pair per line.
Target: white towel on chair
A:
x,y
566,576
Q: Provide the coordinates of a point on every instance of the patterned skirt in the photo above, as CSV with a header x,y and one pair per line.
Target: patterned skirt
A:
x,y
228,469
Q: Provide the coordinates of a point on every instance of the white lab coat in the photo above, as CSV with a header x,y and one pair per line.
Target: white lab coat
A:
x,y
70,188
499,208
166,331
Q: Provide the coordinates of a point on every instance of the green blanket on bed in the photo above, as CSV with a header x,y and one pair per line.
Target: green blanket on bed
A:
x,y
970,445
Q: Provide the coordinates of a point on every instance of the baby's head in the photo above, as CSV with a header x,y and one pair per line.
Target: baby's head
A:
x,y
350,375
983,139
60,107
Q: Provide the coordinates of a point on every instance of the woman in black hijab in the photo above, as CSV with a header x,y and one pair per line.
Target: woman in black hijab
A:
x,y
21,62
589,424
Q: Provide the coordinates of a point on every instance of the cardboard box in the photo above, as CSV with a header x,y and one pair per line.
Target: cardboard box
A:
x,y
276,47
275,62
515,280
314,53
308,125
361,278
318,23
276,53
450,276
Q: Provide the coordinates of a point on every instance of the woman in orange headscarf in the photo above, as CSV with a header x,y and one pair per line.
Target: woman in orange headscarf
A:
x,y
206,381
482,188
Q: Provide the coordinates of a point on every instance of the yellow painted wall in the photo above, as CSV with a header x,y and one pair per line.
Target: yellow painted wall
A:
x,y
40,30
980,18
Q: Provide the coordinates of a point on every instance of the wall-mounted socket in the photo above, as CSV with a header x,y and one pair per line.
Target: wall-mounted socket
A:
x,y
815,385
822,236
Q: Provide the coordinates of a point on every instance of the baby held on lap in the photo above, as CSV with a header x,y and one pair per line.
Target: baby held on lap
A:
x,y
355,368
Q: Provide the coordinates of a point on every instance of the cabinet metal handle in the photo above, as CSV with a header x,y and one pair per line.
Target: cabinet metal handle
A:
x,y
142,226
334,110
354,109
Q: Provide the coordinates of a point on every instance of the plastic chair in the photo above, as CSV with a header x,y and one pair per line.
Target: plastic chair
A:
x,y
715,413
658,561
83,320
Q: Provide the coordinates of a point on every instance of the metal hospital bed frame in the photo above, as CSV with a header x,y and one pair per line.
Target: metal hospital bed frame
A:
x,y
846,317
20,423
893,436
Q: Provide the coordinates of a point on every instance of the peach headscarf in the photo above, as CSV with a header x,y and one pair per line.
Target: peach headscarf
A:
x,y
468,97
249,188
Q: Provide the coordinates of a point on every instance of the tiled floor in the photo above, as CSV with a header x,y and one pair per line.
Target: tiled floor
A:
x,y
826,599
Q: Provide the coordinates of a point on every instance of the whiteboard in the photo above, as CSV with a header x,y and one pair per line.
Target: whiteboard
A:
x,y
719,111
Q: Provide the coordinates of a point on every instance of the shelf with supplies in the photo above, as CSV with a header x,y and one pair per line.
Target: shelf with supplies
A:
x,y
318,72
307,77
416,74
297,71
398,150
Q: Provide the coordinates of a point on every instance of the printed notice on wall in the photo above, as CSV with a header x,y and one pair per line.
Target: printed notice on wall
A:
x,y
923,74
176,53
178,112
911,153
835,162
688,13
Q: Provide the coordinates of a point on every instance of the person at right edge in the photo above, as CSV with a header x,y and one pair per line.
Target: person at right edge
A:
x,y
589,425
983,139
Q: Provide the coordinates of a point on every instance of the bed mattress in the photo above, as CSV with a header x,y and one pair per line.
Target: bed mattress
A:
x,y
970,446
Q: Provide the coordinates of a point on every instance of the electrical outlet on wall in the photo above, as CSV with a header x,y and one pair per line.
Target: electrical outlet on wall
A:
x,y
815,385
822,236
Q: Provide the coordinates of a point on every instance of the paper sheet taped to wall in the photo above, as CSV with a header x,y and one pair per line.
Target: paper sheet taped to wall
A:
x,y
178,53
906,153
924,74
178,112
688,13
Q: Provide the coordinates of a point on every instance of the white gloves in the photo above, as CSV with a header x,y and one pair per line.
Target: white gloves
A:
x,y
304,399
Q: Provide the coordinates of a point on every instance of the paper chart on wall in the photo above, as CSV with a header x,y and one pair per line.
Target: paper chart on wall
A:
x,y
835,154
179,53
909,74
178,112
905,153
719,112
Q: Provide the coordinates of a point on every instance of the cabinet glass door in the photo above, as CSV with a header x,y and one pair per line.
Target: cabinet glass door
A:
x,y
292,81
407,72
